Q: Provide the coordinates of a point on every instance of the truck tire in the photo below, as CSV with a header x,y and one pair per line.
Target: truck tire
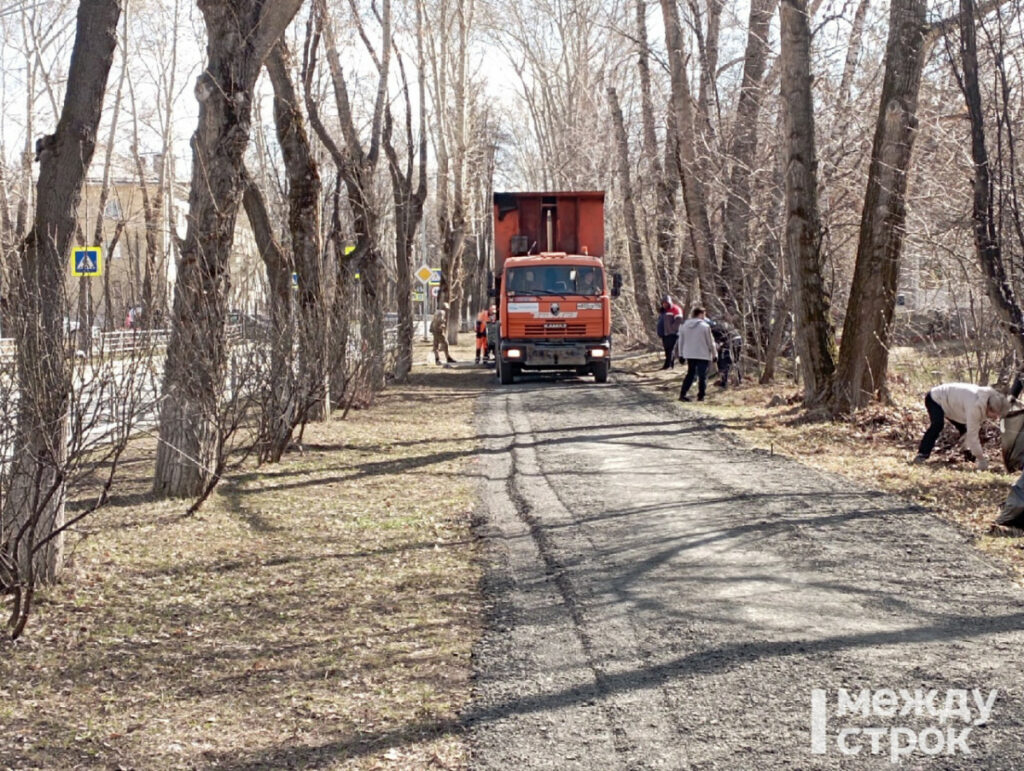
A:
x,y
600,371
505,374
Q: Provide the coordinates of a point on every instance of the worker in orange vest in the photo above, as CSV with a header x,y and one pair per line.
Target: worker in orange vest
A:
x,y
481,334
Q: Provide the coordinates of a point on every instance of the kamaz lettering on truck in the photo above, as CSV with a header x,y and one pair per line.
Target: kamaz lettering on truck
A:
x,y
554,303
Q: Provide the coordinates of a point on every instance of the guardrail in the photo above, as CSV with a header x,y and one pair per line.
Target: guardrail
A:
x,y
129,340
122,341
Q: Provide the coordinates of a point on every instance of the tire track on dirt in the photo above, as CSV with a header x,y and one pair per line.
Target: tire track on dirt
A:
x,y
533,646
530,488
676,596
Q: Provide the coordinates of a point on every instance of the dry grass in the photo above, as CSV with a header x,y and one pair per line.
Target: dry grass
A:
x,y
317,613
321,612
874,448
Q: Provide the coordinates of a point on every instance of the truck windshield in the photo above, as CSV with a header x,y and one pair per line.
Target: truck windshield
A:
x,y
554,279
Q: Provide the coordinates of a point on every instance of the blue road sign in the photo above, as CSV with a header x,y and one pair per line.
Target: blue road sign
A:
x,y
435,276
87,261
295,280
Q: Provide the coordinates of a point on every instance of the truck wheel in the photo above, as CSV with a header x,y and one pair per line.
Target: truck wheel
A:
x,y
600,371
505,374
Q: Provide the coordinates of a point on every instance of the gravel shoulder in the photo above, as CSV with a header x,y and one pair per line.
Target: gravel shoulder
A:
x,y
663,597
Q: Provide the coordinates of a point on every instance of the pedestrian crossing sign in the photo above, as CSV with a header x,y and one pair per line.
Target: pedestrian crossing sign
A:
x,y
87,261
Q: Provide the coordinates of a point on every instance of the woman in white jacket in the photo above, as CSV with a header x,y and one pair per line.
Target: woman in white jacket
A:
x,y
697,347
966,406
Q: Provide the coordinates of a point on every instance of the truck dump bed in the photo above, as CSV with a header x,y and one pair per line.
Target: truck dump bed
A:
x,y
530,223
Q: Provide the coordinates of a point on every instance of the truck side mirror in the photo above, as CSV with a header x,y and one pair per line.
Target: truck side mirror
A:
x,y
616,284
492,292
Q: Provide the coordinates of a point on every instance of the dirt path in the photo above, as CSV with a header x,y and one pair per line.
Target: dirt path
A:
x,y
664,598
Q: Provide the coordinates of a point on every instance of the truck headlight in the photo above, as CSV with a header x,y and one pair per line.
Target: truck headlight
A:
x,y
513,353
597,353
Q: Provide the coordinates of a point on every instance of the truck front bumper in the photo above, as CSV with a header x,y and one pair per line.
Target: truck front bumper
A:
x,y
554,354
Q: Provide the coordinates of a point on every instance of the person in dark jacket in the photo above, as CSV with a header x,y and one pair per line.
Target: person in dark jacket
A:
x,y
1010,520
669,319
730,343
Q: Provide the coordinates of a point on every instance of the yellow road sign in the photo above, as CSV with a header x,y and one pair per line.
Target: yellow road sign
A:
x,y
424,273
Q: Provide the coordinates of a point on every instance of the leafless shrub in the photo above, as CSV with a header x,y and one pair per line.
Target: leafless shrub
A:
x,y
112,394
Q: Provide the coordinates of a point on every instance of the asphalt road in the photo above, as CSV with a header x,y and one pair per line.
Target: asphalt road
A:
x,y
662,597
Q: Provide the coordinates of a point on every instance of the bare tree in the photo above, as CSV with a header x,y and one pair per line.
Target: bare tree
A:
x,y
863,361
562,66
690,172
85,298
815,337
278,420
984,217
637,264
35,502
408,201
240,35
863,358
742,155
304,192
451,78
356,166
156,64
665,175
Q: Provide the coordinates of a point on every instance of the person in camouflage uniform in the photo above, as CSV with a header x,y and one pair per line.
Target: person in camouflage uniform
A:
x,y
439,329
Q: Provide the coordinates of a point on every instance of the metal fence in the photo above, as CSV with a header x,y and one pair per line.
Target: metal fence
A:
x,y
123,341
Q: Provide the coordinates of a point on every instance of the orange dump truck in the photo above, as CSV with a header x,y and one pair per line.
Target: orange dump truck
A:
x,y
554,302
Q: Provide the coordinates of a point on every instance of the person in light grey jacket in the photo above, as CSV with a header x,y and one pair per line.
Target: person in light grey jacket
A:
x,y
966,406
697,346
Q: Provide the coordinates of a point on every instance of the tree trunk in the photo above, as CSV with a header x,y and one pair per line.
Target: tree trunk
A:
x,y
864,356
776,336
278,406
666,177
240,35
371,321
152,213
852,54
690,174
408,204
313,323
742,156
707,54
356,167
767,287
644,300
815,337
341,315
34,508
986,233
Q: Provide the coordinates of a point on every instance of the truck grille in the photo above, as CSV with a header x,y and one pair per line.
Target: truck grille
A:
x,y
556,329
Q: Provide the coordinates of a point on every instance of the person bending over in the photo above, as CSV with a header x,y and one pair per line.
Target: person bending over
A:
x,y
966,406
